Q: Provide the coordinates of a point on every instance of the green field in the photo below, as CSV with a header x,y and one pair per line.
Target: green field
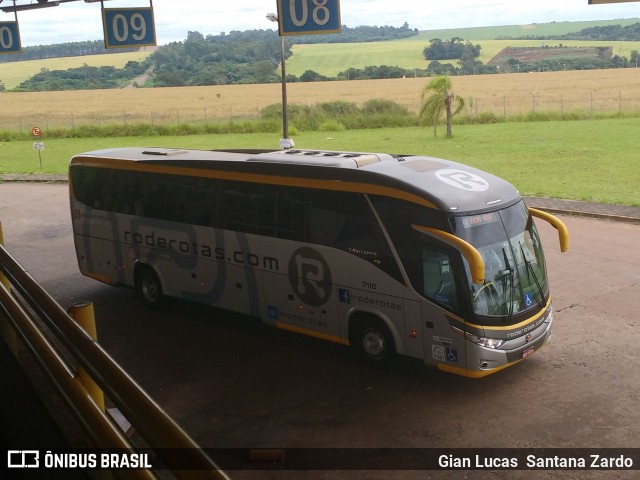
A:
x,y
589,160
538,29
330,59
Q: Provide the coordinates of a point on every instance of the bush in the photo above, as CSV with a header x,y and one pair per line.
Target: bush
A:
x,y
331,126
484,118
382,106
325,117
271,111
338,108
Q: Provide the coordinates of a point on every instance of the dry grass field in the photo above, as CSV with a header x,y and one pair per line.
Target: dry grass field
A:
x,y
503,94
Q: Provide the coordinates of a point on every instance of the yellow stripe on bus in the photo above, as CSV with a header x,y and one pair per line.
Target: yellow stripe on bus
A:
x,y
524,323
481,373
473,373
98,277
312,333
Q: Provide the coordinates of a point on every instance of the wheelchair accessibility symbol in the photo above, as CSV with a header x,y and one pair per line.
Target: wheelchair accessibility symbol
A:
x,y
528,301
452,354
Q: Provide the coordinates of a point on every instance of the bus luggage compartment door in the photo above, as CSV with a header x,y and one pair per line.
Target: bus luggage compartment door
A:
x,y
312,313
443,348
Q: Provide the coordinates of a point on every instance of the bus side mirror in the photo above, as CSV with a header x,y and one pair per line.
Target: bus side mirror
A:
x,y
469,252
563,232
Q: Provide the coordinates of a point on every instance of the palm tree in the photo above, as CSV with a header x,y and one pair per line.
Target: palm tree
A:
x,y
437,98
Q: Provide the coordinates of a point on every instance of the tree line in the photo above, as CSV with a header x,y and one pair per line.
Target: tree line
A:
x,y
236,57
627,33
467,63
455,49
69,49
82,78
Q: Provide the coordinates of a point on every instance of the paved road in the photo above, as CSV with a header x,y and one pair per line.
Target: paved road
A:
x,y
230,382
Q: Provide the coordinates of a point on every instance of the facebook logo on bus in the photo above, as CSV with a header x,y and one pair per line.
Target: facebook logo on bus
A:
x,y
272,312
344,295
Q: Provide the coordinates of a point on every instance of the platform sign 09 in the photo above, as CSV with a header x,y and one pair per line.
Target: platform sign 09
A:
x,y
9,38
306,17
128,27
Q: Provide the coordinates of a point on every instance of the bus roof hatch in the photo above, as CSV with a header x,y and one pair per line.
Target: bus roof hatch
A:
x,y
322,158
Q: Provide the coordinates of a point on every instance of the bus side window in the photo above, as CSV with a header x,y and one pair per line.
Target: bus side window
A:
x,y
248,208
325,225
293,214
345,221
437,277
206,205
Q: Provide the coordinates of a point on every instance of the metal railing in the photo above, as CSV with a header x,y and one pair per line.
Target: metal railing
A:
x,y
36,317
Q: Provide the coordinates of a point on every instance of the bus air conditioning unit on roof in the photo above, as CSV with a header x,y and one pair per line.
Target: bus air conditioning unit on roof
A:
x,y
321,158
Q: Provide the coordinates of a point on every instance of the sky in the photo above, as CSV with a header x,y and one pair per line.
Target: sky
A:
x,y
78,21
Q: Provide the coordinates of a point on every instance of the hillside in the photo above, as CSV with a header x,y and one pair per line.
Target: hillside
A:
x,y
12,74
518,31
330,59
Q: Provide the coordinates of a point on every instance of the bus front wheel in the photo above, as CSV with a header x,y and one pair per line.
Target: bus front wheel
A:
x,y
148,287
374,342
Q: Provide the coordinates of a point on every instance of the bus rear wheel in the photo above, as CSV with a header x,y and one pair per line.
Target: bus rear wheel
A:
x,y
375,343
148,287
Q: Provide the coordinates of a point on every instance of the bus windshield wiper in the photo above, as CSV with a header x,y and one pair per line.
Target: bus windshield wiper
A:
x,y
508,271
531,272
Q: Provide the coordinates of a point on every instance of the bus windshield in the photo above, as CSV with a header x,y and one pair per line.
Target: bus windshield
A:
x,y
515,274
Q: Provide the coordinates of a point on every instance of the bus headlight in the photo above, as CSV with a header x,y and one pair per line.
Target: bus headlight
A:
x,y
493,343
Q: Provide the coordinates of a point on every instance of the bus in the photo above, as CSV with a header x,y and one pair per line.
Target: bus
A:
x,y
388,254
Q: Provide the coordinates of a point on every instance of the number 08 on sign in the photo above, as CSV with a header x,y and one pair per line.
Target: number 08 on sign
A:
x,y
128,27
305,17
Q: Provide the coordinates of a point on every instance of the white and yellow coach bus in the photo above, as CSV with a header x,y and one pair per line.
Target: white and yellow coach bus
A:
x,y
390,254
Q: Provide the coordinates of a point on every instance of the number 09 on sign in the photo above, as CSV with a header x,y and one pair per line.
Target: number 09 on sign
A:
x,y
304,17
128,27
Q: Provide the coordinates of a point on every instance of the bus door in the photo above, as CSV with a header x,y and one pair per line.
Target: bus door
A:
x,y
442,344
302,297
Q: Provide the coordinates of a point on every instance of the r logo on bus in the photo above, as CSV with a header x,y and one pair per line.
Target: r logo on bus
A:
x,y
463,180
310,276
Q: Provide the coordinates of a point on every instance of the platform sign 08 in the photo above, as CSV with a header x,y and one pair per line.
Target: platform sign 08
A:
x,y
306,17
9,38
128,27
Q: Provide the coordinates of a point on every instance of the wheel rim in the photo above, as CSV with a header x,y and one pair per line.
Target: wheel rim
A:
x,y
150,289
373,343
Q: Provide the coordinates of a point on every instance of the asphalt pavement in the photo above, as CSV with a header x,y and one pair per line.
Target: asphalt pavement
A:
x,y
231,383
620,213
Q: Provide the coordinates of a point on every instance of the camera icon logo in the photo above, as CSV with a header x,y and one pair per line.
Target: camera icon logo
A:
x,y
23,459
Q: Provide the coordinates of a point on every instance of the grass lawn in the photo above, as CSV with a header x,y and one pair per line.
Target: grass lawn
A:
x,y
592,160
